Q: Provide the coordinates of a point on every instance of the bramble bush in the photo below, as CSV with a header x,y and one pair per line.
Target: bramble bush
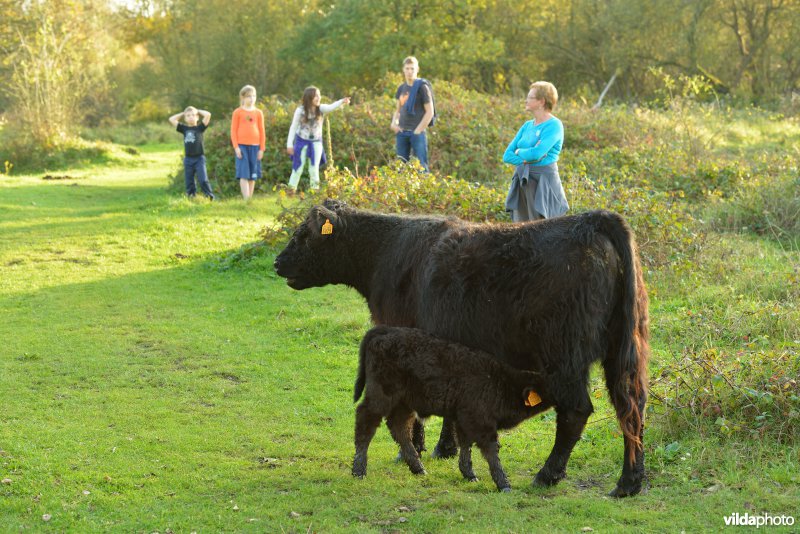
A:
x,y
666,233
406,188
674,150
751,393
395,188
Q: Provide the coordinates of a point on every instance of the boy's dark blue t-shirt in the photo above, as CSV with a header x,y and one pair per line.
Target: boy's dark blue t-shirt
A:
x,y
409,121
192,138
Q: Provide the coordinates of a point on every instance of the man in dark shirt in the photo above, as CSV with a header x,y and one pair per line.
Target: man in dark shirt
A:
x,y
194,161
413,114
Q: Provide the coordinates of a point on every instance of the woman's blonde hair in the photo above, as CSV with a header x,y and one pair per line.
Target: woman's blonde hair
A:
x,y
246,90
546,91
190,108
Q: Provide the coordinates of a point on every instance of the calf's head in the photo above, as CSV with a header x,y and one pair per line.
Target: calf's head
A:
x,y
304,262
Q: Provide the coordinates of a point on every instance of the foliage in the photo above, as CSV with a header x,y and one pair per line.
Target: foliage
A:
x,y
353,42
666,233
407,188
24,155
768,203
59,65
755,393
206,50
395,188
147,110
745,49
183,51
139,134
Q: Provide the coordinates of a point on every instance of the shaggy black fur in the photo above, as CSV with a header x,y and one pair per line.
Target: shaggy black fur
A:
x,y
549,296
408,373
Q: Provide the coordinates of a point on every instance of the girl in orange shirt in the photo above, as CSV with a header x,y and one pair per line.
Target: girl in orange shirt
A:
x,y
248,139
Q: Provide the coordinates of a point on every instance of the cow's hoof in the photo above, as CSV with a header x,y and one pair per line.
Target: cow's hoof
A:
x,y
444,451
473,479
359,474
419,472
545,480
507,489
629,490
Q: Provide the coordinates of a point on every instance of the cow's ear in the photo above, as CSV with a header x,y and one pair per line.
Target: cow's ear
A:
x,y
323,221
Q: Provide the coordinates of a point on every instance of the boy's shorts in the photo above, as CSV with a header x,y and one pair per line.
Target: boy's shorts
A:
x,y
249,167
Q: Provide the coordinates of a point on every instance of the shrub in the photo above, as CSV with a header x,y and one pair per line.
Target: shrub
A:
x,y
665,232
148,110
25,154
406,188
752,393
395,188
768,203
144,133
673,150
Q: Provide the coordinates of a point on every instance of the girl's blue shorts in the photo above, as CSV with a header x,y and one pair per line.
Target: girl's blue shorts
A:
x,y
249,167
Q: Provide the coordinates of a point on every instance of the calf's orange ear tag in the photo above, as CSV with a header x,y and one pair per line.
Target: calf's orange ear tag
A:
x,y
327,228
533,399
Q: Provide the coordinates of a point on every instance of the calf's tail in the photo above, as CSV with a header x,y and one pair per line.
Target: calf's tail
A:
x,y
626,369
369,339
361,377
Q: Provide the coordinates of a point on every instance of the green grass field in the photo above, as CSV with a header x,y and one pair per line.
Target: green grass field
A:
x,y
147,385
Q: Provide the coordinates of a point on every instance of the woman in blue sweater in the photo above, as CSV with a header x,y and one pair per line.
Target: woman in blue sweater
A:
x,y
536,191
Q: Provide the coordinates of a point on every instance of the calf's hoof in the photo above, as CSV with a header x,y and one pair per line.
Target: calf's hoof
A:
x,y
507,489
472,479
545,479
444,451
359,474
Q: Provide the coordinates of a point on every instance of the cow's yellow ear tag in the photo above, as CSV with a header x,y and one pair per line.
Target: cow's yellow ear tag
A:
x,y
327,228
533,399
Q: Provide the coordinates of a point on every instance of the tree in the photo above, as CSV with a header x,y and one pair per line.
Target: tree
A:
x,y
10,22
206,50
355,42
58,60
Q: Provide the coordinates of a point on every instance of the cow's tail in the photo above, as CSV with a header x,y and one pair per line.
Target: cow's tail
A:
x,y
626,367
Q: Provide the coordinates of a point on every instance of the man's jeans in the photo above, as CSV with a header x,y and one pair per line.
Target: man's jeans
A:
x,y
406,141
196,166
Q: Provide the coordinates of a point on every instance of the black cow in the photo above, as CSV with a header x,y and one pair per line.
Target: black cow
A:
x,y
408,372
550,296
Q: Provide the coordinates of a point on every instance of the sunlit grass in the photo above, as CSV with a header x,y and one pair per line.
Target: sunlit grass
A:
x,y
146,385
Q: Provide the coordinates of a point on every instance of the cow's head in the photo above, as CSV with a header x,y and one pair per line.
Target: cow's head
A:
x,y
305,262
